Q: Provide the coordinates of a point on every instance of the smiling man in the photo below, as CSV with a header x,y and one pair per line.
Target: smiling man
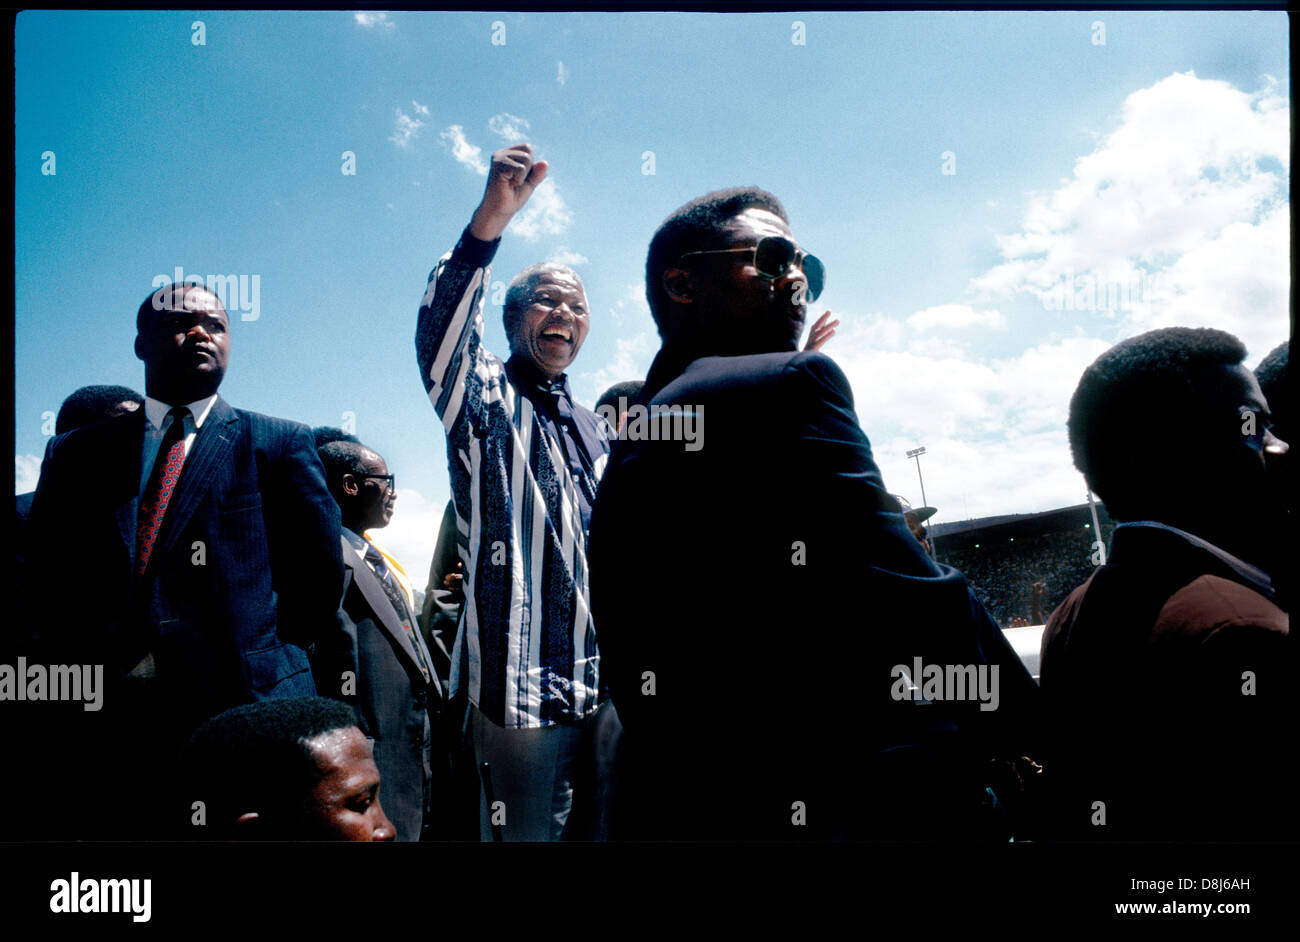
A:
x,y
202,538
524,461
758,706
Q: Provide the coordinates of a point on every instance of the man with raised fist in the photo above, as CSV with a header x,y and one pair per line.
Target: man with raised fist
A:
x,y
524,461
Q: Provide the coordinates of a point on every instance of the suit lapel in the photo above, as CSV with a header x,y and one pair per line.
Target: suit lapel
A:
x,y
368,584
213,445
126,446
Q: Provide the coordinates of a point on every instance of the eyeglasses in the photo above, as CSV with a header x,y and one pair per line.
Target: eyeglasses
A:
x,y
390,478
773,256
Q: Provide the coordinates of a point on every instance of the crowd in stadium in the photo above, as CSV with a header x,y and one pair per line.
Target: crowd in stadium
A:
x,y
1002,573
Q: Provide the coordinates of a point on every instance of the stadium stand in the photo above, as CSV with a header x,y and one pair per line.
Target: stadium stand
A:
x,y
1002,557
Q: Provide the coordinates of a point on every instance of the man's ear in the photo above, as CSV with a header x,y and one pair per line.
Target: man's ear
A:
x,y
139,347
677,284
350,485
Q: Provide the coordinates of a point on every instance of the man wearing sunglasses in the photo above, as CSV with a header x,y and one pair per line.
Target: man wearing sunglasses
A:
x,y
759,706
387,671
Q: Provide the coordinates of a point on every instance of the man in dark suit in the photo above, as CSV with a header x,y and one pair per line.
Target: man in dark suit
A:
x,y
392,679
761,703
83,406
202,538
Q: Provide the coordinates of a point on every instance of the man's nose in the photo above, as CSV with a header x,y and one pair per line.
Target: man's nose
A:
x,y
384,830
1274,445
797,280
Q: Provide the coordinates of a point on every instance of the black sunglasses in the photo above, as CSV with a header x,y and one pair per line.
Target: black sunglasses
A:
x,y
773,256
390,478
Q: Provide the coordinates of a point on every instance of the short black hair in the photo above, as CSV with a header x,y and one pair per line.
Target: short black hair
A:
x,y
609,399
340,458
628,389
695,227
324,434
255,758
1150,377
149,306
1271,374
520,293
91,404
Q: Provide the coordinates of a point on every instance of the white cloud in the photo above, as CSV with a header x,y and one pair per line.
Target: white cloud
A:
x,y
631,303
562,74
956,316
965,479
1179,216
994,430
566,256
412,533
405,129
545,214
631,360
462,150
509,127
370,20
419,108
27,471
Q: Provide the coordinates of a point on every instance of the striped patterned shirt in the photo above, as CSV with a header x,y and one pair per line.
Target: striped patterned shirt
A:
x,y
524,461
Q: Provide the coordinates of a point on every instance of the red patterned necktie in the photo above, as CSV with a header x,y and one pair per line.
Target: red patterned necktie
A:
x,y
158,492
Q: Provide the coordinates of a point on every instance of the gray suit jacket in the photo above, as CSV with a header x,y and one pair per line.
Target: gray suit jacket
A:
x,y
397,701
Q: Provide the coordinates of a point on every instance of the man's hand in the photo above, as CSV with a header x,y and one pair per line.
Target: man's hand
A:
x,y
510,183
821,332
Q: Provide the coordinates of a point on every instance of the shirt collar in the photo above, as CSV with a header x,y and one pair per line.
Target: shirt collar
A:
x,y
1252,574
156,410
524,374
358,542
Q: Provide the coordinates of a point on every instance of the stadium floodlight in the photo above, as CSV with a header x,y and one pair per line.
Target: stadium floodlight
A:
x,y
934,540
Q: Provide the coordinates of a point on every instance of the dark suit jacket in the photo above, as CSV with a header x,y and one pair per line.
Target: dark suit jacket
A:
x,y
397,703
440,616
245,575
769,583
1144,688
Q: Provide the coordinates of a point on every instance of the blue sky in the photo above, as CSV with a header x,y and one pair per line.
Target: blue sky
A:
x,y
1094,190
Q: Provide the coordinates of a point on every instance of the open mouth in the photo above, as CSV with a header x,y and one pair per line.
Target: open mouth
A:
x,y
557,334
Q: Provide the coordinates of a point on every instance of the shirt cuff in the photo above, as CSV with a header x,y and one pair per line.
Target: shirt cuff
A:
x,y
474,252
